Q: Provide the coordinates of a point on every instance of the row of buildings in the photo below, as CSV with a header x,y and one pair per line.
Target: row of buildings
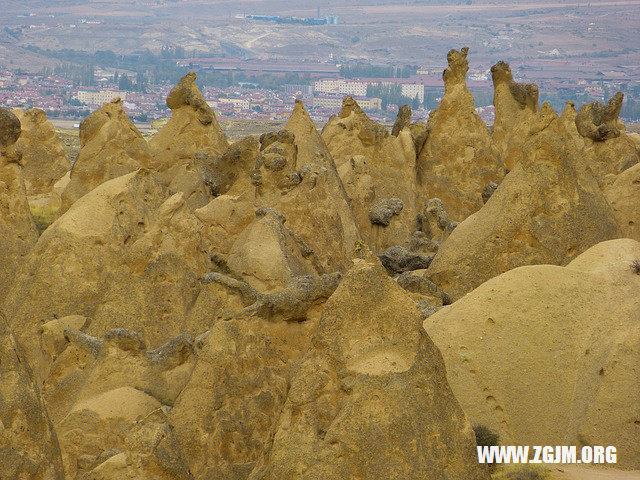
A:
x,y
341,86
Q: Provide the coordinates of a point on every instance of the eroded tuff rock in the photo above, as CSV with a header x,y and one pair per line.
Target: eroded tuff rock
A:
x,y
608,149
340,418
225,416
624,197
193,127
399,259
185,148
124,255
458,158
548,209
548,355
111,397
43,160
17,230
373,165
267,254
292,304
111,146
28,443
516,107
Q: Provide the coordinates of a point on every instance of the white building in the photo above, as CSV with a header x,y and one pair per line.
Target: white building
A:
x,y
412,89
98,98
341,86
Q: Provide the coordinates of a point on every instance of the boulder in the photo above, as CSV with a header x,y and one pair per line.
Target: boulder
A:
x,y
549,355
10,129
458,159
111,146
548,209
341,417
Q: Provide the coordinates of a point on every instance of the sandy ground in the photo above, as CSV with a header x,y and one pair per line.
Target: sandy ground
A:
x,y
579,472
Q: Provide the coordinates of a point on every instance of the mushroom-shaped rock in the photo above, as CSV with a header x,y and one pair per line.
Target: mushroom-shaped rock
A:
x,y
608,149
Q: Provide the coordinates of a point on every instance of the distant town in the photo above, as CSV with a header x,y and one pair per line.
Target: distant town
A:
x,y
379,90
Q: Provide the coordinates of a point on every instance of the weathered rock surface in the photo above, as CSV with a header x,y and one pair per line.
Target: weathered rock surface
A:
x,y
516,107
10,129
187,145
624,197
374,165
458,158
111,407
608,149
548,355
267,254
398,259
193,127
44,160
340,419
224,418
548,209
122,256
17,230
28,443
111,146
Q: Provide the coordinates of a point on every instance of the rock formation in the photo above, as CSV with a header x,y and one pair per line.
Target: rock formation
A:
x,y
548,209
374,165
608,148
111,146
44,163
121,256
44,160
340,418
188,143
111,413
624,197
28,443
458,159
262,310
548,355
516,108
17,230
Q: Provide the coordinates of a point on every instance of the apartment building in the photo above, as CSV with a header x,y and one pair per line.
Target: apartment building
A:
x,y
340,86
100,97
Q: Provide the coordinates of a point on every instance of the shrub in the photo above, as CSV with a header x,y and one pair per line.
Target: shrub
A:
x,y
521,472
485,437
635,267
